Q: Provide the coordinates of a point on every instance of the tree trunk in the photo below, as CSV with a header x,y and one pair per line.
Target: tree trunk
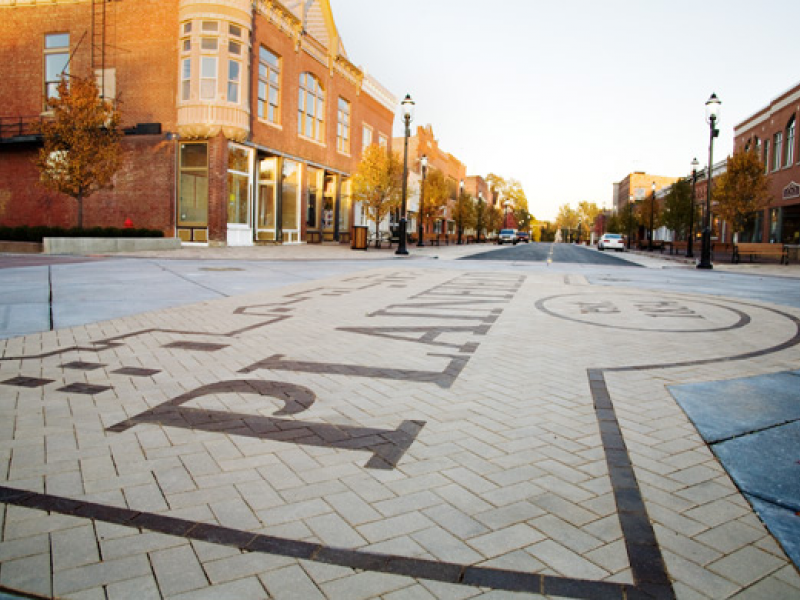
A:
x,y
79,199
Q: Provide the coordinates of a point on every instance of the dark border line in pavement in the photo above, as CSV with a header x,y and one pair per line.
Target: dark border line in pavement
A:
x,y
247,541
646,561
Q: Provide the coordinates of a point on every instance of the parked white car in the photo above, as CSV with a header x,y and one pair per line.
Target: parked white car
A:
x,y
611,241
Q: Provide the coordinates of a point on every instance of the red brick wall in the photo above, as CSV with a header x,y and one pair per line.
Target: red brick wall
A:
x,y
363,108
142,39
143,47
142,191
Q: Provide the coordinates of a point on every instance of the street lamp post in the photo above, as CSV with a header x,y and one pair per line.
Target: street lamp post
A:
x,y
712,114
689,253
407,105
652,211
630,218
460,223
579,231
421,226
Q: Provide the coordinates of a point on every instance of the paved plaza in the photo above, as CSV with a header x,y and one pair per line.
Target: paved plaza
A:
x,y
400,428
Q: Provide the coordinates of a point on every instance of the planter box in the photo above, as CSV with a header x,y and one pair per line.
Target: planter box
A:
x,y
21,247
104,245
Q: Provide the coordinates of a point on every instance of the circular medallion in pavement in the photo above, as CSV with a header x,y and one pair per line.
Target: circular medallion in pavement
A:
x,y
662,313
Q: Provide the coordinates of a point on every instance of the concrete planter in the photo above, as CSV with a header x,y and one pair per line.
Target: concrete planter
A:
x,y
104,245
20,247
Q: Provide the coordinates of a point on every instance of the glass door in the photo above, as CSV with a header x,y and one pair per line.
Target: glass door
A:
x,y
267,201
329,206
290,202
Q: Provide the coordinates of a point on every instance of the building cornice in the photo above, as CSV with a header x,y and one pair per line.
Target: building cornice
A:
x,y
780,102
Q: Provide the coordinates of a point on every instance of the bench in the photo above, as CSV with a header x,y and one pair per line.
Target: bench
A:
x,y
383,236
657,245
678,246
759,249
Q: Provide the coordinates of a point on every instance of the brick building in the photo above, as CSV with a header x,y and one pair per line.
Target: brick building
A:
x,y
244,120
425,143
772,132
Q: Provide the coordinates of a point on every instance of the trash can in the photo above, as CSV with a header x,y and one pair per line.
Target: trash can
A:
x,y
359,241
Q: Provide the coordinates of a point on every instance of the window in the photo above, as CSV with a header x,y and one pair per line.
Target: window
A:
x,y
233,80
208,77
210,26
777,139
193,201
234,48
186,78
187,28
238,185
343,127
269,69
766,156
235,30
383,141
789,143
310,108
209,44
56,62
366,137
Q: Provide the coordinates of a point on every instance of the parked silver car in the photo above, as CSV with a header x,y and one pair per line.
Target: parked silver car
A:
x,y
506,236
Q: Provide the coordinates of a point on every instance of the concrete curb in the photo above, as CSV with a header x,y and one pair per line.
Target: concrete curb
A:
x,y
97,245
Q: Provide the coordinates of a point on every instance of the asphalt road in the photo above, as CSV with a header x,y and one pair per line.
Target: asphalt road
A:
x,y
554,253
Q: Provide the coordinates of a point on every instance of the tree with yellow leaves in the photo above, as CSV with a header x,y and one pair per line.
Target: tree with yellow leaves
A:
x,y
742,190
81,150
377,184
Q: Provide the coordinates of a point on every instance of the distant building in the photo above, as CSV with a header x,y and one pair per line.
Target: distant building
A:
x,y
425,143
638,185
244,119
772,132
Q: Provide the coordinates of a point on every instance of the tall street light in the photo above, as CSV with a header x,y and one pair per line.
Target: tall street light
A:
x,y
630,218
652,211
689,253
407,106
460,208
421,226
712,114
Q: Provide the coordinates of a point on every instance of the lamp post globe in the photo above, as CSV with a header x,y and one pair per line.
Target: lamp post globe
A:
x,y
423,163
407,106
712,116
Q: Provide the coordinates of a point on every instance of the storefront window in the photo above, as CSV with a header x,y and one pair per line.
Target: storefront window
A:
x,y
193,202
344,206
239,185
328,202
313,199
289,199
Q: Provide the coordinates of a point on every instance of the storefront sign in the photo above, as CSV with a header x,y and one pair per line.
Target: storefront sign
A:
x,y
791,191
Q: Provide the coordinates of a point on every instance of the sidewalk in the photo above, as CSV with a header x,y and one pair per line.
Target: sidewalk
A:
x,y
397,432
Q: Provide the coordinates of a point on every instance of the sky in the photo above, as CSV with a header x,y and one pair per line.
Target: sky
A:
x,y
570,96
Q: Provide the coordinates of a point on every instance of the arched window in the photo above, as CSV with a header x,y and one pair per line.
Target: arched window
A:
x,y
790,142
311,108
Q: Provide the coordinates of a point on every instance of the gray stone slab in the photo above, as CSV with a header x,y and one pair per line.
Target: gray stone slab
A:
x,y
725,409
765,464
783,523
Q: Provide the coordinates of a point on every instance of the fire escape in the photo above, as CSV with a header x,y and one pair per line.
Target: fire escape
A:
x,y
103,24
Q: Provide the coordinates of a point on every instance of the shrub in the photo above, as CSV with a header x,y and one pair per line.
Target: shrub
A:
x,y
37,233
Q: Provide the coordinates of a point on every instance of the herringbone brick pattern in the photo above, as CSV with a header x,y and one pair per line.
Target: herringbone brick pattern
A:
x,y
507,469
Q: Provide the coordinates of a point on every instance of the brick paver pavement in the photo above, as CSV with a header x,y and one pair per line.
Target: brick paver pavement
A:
x,y
400,433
